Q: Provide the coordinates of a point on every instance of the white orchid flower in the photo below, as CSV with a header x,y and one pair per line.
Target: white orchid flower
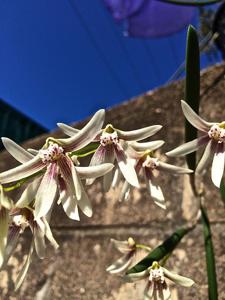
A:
x,y
157,288
144,160
128,248
55,171
213,138
113,147
22,218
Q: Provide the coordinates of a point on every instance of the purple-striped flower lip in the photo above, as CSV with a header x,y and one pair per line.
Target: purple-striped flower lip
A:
x,y
156,273
107,138
52,153
150,162
217,132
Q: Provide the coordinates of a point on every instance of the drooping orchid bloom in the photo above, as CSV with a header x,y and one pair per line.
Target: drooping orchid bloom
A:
x,y
22,218
145,160
157,288
55,172
128,249
213,136
113,144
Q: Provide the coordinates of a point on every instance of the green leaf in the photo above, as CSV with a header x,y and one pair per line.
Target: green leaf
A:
x,y
191,2
161,251
87,150
222,191
192,87
210,258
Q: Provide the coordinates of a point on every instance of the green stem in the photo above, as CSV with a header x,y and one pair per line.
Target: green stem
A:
x,y
144,247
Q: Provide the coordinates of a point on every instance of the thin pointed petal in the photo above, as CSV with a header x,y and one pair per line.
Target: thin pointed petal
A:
x,y
24,269
27,169
70,176
147,146
173,169
122,246
116,178
49,235
12,240
46,192
94,171
120,264
194,119
109,158
189,147
68,130
218,165
98,158
126,168
29,193
33,151
154,189
85,204
181,280
139,134
39,241
4,226
125,192
71,208
86,134
206,157
16,151
136,276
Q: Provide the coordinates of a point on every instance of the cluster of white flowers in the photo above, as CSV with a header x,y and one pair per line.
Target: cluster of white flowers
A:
x,y
53,176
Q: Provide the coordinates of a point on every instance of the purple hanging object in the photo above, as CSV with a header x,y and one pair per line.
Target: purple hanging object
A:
x,y
150,18
121,9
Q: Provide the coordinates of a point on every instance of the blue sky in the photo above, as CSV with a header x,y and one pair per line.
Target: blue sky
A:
x,y
62,60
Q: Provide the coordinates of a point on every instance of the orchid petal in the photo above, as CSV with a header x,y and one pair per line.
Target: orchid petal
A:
x,y
181,280
70,176
27,169
16,151
218,165
189,146
139,134
154,189
206,157
84,204
136,276
4,225
86,134
120,264
172,169
29,193
194,119
125,192
39,241
109,158
49,235
146,146
116,177
12,240
126,168
71,208
46,192
33,151
94,171
68,130
122,246
24,269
